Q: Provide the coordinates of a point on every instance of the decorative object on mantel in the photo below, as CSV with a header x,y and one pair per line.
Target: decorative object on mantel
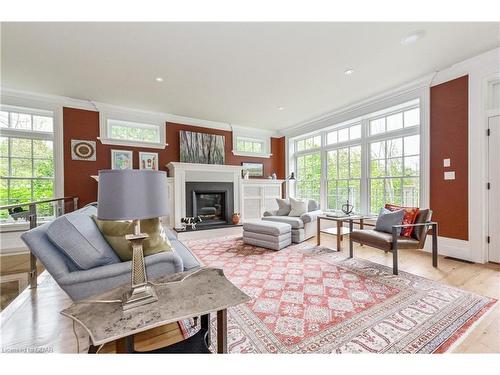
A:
x,y
190,222
121,159
133,203
253,169
236,218
347,207
274,177
95,177
83,150
201,148
148,160
246,174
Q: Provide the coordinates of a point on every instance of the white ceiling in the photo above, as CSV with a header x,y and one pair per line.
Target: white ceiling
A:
x,y
236,73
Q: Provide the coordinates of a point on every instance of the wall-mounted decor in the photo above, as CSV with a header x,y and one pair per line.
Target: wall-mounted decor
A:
x,y
254,169
148,160
121,159
83,150
201,148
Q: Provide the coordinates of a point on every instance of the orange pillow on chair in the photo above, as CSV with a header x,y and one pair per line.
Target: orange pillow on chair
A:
x,y
409,217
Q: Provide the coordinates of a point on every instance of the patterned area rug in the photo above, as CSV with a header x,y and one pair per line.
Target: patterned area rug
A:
x,y
308,299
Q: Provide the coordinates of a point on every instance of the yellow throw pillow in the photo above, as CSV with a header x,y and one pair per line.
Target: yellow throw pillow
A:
x,y
115,231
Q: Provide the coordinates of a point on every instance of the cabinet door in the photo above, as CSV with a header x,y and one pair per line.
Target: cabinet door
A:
x,y
270,194
252,202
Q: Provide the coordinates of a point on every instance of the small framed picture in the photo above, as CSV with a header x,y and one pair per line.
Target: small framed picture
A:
x,y
148,160
254,169
121,159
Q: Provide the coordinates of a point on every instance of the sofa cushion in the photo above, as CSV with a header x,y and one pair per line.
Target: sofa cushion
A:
x,y
189,261
299,207
284,207
382,240
267,226
386,219
312,205
115,231
294,222
78,237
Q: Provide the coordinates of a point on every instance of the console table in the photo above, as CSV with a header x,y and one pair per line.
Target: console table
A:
x,y
180,296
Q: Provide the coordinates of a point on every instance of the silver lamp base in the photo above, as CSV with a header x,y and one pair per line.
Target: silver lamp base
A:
x,y
139,296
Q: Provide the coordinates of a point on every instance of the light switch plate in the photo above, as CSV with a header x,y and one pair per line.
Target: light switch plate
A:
x,y
449,175
446,162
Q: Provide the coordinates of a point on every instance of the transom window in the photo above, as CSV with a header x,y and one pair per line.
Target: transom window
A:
x,y
26,158
249,145
133,131
372,161
308,143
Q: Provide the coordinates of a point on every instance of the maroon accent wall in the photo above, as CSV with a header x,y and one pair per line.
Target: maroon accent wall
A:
x,y
449,103
84,125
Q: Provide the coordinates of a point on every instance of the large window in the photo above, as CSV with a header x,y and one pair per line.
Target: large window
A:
x,y
344,177
308,176
370,161
26,157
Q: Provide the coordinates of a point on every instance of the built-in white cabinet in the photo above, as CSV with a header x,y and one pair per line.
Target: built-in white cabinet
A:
x,y
259,195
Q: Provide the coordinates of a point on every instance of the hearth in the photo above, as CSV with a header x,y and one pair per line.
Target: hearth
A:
x,y
212,201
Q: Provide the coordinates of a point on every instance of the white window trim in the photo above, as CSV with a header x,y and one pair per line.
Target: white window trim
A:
x,y
109,113
398,102
44,108
245,134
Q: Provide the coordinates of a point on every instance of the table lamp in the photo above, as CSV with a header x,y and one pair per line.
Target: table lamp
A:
x,y
132,194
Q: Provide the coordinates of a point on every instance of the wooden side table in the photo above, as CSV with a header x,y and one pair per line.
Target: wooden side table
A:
x,y
339,230
180,296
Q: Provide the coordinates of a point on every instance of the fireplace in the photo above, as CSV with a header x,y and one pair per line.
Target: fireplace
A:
x,y
212,201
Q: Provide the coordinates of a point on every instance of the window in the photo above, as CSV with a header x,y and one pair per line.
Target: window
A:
x,y
131,128
248,145
308,176
344,177
370,160
26,157
394,172
344,135
395,121
308,143
133,131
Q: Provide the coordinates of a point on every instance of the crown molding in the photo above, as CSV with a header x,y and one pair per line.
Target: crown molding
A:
x,y
8,94
357,109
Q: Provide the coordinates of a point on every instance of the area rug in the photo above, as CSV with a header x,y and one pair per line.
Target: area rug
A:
x,y
308,299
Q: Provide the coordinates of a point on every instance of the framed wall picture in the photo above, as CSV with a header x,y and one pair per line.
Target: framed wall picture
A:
x,y
201,148
148,160
121,159
254,169
83,150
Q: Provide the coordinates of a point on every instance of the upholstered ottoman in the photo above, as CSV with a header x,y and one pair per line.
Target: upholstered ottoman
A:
x,y
269,234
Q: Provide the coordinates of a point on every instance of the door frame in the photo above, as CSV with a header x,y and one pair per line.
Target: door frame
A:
x,y
489,114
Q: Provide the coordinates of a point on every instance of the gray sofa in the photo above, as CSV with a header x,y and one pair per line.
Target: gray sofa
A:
x,y
304,226
81,282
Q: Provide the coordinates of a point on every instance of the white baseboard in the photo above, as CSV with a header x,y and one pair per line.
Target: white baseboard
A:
x,y
450,247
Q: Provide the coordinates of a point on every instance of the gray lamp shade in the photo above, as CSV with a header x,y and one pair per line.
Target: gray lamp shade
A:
x,y
130,194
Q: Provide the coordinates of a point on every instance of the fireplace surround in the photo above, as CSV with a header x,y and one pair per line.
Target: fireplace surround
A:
x,y
212,201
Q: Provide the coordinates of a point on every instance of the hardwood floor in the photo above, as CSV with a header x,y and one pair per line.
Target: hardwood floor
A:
x,y
33,319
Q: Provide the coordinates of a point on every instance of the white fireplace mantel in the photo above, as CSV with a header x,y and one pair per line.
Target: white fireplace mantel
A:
x,y
191,172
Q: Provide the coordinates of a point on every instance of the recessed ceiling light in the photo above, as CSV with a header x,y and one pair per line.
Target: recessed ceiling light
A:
x,y
413,37
159,79
348,72
281,108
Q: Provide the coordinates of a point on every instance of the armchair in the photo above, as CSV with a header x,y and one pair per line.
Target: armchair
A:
x,y
393,241
303,226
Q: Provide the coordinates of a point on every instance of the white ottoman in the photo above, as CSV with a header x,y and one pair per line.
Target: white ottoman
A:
x,y
269,234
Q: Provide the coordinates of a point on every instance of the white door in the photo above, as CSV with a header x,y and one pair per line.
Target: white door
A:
x,y
494,191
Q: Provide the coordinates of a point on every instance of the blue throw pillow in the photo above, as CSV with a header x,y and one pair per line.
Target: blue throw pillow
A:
x,y
386,219
78,237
